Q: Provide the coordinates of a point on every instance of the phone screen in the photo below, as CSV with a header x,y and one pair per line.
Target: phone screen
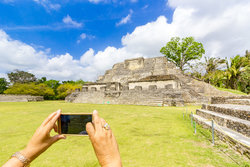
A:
x,y
74,124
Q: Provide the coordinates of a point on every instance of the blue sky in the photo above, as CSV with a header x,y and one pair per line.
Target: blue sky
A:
x,y
81,39
37,24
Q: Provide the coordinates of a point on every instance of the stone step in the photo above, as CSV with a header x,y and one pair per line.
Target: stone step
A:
x,y
236,140
239,111
236,124
238,101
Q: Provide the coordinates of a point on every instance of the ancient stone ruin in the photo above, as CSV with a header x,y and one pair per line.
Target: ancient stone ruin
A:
x,y
231,116
19,98
152,81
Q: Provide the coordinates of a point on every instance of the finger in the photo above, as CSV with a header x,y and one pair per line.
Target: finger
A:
x,y
103,122
48,118
106,131
55,128
57,137
90,129
53,120
97,121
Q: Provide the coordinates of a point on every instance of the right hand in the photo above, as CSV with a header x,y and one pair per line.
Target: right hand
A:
x,y
104,143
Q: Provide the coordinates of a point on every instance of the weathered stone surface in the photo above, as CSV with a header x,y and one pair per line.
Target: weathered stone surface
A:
x,y
136,97
152,87
234,123
73,96
19,98
239,111
236,140
241,100
149,75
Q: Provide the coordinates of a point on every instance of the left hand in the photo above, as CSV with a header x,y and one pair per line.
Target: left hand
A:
x,y
42,140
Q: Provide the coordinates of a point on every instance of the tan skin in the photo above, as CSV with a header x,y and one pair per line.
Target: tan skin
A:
x,y
103,142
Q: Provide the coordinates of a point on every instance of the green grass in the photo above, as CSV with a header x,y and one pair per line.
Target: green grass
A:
x,y
231,90
147,136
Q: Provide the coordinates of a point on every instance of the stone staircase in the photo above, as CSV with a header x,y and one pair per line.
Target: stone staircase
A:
x,y
231,121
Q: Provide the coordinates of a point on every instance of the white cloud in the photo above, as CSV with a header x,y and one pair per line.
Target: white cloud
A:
x,y
126,19
83,36
48,5
68,21
222,28
18,55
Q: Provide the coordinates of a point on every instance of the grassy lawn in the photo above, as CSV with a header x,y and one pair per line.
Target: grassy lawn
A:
x,y
147,136
231,91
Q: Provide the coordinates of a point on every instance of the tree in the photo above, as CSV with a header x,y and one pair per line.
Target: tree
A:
x,y
42,80
234,70
181,52
213,64
31,89
244,80
67,88
3,85
80,82
21,77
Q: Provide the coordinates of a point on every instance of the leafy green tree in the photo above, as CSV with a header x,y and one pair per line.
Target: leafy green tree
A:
x,y
3,85
244,80
234,70
67,88
42,80
21,77
54,85
247,55
31,89
213,64
80,82
181,52
69,81
216,78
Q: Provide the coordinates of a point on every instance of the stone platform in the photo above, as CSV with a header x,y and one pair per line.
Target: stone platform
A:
x,y
19,98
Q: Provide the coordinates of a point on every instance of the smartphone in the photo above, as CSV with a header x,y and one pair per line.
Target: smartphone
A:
x,y
73,124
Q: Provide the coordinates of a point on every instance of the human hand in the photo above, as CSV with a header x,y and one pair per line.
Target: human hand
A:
x,y
104,143
41,140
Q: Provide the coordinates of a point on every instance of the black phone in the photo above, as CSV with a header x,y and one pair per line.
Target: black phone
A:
x,y
73,124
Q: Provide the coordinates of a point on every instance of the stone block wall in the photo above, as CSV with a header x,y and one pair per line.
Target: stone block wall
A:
x,y
232,110
19,98
231,100
158,84
137,96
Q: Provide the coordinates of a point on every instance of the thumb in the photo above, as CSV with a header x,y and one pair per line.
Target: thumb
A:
x,y
57,137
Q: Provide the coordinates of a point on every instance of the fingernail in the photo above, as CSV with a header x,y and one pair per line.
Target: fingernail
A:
x,y
95,112
58,111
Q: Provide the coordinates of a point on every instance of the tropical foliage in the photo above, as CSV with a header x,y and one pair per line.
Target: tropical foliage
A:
x,y
67,88
232,74
31,89
3,85
26,84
